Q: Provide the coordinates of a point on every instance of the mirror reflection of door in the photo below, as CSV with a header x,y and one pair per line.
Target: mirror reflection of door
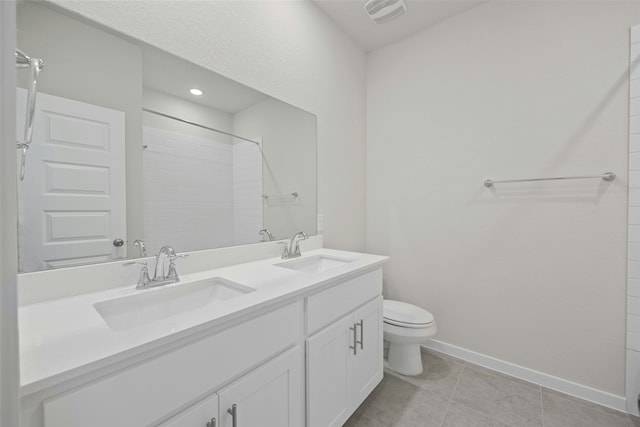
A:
x,y
72,200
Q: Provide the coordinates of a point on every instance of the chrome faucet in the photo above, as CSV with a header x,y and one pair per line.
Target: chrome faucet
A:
x,y
292,250
159,276
266,235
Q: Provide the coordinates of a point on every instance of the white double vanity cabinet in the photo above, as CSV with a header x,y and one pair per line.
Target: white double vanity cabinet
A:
x,y
302,348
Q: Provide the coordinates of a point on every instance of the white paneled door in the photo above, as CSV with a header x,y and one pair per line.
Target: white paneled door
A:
x,y
72,200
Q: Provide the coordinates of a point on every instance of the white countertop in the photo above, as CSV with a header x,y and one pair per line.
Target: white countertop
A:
x,y
64,338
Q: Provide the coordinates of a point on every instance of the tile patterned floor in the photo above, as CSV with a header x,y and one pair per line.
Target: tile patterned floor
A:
x,y
453,393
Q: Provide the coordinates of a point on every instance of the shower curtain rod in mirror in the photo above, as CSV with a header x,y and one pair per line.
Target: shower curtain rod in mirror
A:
x,y
168,116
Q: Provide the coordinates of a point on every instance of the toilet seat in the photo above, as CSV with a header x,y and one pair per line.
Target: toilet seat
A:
x,y
406,315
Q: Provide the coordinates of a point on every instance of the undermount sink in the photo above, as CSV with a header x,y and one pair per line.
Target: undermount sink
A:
x,y
315,264
154,304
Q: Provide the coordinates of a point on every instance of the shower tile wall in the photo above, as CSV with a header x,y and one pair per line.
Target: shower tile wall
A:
x,y
188,191
247,192
633,280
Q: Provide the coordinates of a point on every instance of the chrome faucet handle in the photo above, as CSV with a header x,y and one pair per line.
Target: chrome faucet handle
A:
x,y
285,251
173,273
143,279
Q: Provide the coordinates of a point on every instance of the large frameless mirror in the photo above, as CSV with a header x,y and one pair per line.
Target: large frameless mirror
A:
x,y
134,148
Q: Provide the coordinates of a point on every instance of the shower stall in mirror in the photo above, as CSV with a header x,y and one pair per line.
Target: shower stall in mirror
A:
x,y
201,190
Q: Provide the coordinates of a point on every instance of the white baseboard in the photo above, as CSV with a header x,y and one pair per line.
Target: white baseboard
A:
x,y
583,392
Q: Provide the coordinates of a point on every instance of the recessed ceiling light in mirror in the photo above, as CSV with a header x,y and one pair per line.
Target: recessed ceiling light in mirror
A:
x,y
196,92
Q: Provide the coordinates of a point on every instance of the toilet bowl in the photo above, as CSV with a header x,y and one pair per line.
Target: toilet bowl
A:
x,y
405,327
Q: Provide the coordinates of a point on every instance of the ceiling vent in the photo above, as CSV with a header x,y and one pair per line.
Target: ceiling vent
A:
x,y
381,11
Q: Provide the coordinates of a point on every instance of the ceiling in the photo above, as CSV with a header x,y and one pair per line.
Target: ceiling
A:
x,y
350,16
160,68
168,73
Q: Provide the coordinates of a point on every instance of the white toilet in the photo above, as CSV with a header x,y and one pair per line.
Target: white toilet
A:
x,y
405,327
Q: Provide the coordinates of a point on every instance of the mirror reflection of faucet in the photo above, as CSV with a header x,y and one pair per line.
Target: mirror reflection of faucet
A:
x,y
166,253
266,235
139,243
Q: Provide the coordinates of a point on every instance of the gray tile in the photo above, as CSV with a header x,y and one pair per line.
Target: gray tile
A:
x,y
400,404
501,375
509,400
459,415
360,420
439,376
482,398
562,412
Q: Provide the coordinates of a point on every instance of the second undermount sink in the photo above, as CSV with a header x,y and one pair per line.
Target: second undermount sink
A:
x,y
154,304
314,264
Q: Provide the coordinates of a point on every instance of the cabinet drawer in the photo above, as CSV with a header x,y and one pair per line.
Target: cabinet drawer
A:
x,y
145,393
330,305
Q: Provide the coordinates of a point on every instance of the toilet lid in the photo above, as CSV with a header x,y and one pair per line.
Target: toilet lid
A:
x,y
404,314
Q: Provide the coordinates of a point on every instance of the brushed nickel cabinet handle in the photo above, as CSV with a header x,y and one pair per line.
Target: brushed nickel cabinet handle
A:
x,y
234,415
355,339
212,423
361,342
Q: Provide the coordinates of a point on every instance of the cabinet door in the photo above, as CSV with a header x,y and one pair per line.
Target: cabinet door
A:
x,y
330,374
202,414
368,367
270,396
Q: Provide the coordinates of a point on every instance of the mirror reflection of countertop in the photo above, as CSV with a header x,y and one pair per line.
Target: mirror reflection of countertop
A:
x,y
64,338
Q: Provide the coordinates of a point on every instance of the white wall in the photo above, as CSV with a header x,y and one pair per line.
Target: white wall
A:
x,y
532,274
289,50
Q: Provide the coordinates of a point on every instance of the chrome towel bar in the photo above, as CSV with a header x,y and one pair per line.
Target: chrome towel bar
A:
x,y
607,176
293,195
